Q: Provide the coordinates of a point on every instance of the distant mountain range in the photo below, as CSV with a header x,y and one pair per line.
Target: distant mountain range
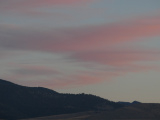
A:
x,y
18,102
128,103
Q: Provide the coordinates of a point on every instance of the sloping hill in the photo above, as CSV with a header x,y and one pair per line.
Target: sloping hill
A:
x,y
141,111
26,102
134,112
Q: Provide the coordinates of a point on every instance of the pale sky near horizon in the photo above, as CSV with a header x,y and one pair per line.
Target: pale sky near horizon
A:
x,y
109,48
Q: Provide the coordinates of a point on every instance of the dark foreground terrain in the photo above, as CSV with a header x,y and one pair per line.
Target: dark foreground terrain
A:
x,y
37,103
133,112
17,102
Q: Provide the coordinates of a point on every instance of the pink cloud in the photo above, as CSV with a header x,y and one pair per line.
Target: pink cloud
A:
x,y
55,82
74,80
87,44
118,58
100,37
86,38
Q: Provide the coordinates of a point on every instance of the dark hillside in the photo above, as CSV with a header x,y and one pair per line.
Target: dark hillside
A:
x,y
141,111
26,102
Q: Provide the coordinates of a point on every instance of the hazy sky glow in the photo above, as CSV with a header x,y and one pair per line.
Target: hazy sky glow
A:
x,y
105,47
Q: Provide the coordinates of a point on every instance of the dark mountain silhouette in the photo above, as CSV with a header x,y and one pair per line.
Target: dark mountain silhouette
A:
x,y
18,101
128,103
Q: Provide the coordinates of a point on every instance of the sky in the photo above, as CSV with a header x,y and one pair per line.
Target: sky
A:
x,y
109,48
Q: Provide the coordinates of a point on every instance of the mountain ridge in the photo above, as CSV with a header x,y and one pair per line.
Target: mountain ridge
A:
x,y
25,102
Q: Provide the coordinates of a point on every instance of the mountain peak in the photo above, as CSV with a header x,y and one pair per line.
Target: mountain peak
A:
x,y
6,82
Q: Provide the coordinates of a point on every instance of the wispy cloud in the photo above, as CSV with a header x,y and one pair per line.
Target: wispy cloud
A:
x,y
96,45
8,5
118,58
34,70
80,39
